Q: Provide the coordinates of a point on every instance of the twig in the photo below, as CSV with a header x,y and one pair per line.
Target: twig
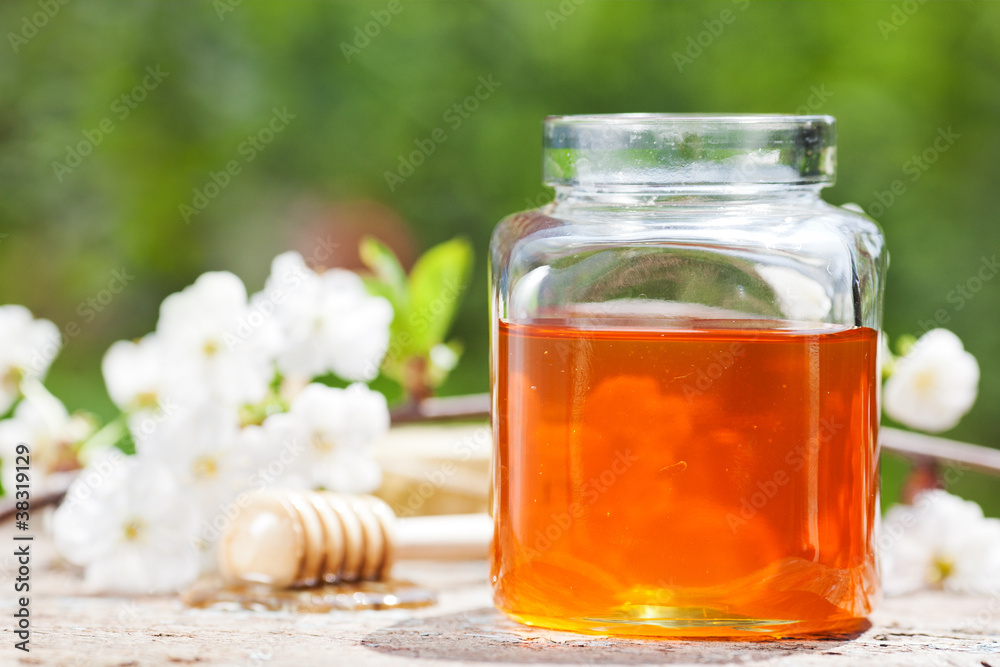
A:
x,y
917,445
470,406
906,443
52,495
477,406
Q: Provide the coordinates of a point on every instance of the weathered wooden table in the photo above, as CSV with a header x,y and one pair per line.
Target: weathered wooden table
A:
x,y
72,628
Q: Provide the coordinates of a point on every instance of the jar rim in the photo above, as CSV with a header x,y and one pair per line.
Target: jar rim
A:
x,y
699,118
652,150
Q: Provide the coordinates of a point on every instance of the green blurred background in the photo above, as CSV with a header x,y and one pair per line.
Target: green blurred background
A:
x,y
895,74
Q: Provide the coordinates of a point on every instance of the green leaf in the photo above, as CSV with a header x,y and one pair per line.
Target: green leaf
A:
x,y
437,282
904,344
390,282
376,287
126,443
113,434
383,262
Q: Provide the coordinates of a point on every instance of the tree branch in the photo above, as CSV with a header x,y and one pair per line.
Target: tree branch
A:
x,y
916,446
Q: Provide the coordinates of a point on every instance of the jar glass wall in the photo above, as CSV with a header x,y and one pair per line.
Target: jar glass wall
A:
x,y
685,383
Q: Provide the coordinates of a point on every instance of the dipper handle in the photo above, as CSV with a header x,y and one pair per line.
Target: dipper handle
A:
x,y
444,537
289,538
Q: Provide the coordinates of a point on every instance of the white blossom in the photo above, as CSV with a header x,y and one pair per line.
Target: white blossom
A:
x,y
941,541
272,454
133,532
443,357
212,459
934,384
200,448
213,340
886,361
53,436
27,348
332,431
147,523
329,320
137,374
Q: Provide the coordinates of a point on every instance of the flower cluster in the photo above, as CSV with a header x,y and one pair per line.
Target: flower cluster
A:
x,y
223,399
934,384
27,348
233,393
941,541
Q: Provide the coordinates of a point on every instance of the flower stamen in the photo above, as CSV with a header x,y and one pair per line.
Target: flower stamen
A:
x,y
204,467
12,378
941,568
133,529
924,381
147,399
322,444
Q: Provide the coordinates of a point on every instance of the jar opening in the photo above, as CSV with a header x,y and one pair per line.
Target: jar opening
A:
x,y
651,151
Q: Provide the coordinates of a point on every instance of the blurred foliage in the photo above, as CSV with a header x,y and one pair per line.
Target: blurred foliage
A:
x,y
424,307
360,108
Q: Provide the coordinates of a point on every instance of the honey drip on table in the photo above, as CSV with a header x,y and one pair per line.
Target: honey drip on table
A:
x,y
342,596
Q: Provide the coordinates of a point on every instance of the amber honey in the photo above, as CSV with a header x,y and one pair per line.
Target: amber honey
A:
x,y
685,482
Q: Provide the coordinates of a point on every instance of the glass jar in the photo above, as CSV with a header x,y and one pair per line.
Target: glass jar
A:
x,y
684,381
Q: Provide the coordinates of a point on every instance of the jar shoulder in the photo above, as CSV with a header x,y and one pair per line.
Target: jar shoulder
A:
x,y
816,262
820,227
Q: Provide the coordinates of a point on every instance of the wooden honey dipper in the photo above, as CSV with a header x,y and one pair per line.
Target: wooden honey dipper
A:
x,y
287,538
